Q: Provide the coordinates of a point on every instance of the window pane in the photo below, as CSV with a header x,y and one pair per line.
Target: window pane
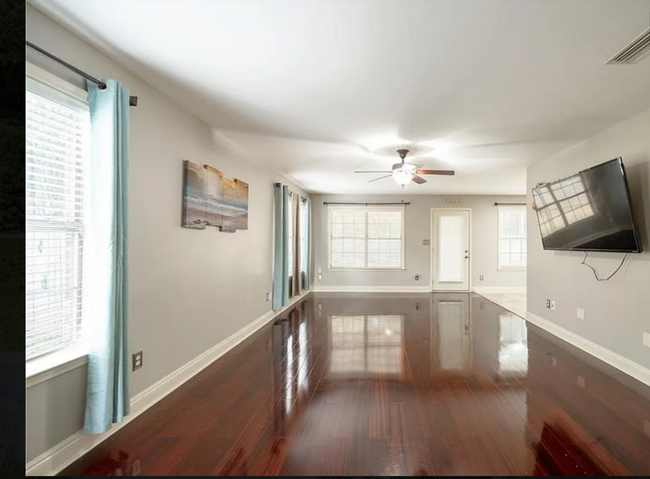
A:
x,y
371,237
512,233
56,139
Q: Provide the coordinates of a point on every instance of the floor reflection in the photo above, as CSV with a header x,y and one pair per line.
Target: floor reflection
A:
x,y
513,345
451,338
365,344
367,384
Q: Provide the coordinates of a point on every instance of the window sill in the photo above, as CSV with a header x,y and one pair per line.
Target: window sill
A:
x,y
366,269
513,270
44,368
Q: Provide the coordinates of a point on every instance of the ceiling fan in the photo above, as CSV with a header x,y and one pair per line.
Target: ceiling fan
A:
x,y
403,173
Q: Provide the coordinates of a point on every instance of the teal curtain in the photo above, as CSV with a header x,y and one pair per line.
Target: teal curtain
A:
x,y
106,259
281,248
308,252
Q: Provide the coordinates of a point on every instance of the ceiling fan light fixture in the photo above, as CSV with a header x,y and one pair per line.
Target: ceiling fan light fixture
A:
x,y
404,175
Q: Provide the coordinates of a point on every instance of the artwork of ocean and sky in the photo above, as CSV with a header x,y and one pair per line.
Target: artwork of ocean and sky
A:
x,y
210,199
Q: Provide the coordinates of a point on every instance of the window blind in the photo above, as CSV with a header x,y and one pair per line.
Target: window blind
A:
x,y
57,133
512,237
366,237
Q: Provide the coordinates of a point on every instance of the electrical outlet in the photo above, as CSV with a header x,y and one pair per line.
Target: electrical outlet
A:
x,y
646,340
417,277
553,305
580,313
581,381
137,360
268,296
551,359
481,278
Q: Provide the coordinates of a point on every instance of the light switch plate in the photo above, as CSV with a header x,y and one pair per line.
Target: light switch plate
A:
x,y
646,340
580,313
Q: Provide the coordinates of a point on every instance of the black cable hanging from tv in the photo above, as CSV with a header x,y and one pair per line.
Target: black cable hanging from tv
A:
x,y
596,273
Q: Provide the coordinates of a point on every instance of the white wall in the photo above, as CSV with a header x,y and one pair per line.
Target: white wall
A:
x,y
189,289
616,312
417,228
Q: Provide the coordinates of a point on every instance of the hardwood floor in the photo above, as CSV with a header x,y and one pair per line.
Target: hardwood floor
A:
x,y
391,384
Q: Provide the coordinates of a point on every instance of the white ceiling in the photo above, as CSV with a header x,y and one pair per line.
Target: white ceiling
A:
x,y
312,88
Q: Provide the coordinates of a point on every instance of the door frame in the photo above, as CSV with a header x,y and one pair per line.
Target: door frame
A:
x,y
432,257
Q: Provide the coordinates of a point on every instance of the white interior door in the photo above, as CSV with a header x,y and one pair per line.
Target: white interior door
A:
x,y
450,250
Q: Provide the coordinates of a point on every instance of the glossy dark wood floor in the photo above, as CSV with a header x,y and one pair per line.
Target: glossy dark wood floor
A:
x,y
380,385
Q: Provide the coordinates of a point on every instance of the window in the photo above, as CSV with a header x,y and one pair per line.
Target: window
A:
x,y
290,237
304,239
366,238
512,237
57,139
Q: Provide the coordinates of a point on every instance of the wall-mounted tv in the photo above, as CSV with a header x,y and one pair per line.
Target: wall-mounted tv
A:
x,y
588,211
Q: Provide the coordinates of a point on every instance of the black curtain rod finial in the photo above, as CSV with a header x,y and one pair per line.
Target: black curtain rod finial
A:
x,y
133,101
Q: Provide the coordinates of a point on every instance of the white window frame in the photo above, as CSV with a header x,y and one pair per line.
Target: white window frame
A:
x,y
400,209
73,356
509,268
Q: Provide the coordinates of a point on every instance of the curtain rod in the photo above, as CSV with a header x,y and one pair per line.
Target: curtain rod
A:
x,y
509,204
133,100
365,204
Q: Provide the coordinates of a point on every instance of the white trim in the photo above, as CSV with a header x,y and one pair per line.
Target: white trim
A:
x,y
61,361
69,450
499,289
613,359
43,76
371,289
339,269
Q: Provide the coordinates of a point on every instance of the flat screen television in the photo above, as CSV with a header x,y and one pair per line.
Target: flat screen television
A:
x,y
588,211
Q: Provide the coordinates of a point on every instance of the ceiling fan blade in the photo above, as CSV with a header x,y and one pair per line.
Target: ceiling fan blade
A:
x,y
380,178
418,179
436,172
373,171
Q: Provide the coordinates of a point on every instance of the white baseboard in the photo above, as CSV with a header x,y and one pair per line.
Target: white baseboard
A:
x,y
66,452
371,289
613,359
499,289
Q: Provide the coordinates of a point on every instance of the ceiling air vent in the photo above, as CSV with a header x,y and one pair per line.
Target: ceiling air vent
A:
x,y
634,52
